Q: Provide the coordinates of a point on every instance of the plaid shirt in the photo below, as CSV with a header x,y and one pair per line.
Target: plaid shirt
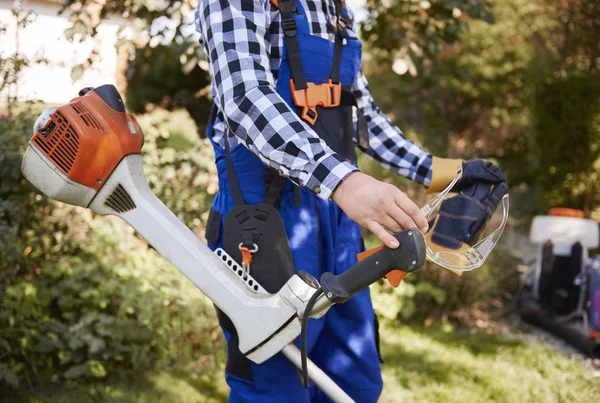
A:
x,y
243,42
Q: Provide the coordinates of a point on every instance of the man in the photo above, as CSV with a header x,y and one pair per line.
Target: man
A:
x,y
286,82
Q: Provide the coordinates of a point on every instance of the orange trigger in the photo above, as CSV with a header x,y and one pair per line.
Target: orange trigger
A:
x,y
246,256
367,253
395,277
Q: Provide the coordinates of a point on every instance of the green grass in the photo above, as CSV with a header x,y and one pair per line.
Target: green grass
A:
x,y
170,386
421,365
434,366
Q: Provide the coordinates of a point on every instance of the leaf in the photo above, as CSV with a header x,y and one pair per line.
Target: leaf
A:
x,y
5,344
69,32
97,369
8,377
96,345
77,371
489,18
77,72
408,309
76,343
45,345
437,293
189,65
80,28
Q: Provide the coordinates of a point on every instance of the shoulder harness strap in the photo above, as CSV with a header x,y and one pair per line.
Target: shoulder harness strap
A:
x,y
288,8
309,95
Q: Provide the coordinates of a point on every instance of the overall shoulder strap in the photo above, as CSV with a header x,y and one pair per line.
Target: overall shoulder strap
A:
x,y
340,34
288,8
234,184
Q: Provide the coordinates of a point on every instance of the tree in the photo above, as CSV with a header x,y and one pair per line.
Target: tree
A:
x,y
165,64
11,66
567,134
477,94
412,33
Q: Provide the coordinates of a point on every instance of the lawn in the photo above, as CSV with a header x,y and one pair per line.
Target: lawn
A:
x,y
421,365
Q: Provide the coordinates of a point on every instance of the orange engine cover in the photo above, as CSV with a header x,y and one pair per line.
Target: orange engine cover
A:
x,y
86,138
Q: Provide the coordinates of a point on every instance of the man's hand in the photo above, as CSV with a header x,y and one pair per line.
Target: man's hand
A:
x,y
378,206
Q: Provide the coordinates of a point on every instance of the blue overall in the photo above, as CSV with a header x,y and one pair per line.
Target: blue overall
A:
x,y
322,238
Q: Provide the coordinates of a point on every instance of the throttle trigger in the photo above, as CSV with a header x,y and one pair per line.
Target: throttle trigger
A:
x,y
395,277
367,253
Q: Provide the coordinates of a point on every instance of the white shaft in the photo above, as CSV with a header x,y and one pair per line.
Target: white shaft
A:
x,y
320,378
256,315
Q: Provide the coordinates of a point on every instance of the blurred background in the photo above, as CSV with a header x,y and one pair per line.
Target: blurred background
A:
x,y
88,312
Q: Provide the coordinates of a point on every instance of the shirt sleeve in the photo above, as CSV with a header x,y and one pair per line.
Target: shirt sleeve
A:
x,y
234,36
387,143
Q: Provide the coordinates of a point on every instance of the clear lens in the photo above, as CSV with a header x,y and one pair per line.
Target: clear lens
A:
x,y
432,205
466,257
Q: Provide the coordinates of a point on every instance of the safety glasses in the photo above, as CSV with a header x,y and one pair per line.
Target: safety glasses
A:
x,y
466,257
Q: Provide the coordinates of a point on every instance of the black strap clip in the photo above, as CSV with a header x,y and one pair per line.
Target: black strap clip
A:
x,y
343,24
289,27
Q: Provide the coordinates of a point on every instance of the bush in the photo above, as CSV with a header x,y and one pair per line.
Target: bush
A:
x,y
18,203
83,297
179,167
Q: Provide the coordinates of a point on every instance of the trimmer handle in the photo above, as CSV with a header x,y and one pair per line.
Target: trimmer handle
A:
x,y
409,257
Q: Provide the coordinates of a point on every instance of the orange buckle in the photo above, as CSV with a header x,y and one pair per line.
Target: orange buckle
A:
x,y
326,95
247,255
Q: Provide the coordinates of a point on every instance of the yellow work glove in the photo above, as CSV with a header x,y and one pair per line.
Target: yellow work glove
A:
x,y
443,170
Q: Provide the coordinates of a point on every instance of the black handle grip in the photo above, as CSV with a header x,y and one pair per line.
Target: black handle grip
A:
x,y
410,256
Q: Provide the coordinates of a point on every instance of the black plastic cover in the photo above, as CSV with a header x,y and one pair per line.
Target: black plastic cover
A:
x,y
111,96
85,90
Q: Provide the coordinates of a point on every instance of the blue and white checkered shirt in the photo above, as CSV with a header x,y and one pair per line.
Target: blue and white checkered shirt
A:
x,y
243,42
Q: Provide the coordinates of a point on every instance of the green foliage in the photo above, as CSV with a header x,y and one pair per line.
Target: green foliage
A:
x,y
477,96
156,76
11,66
413,32
570,41
18,204
166,66
83,298
434,364
567,140
470,102
86,318
179,167
393,304
434,294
